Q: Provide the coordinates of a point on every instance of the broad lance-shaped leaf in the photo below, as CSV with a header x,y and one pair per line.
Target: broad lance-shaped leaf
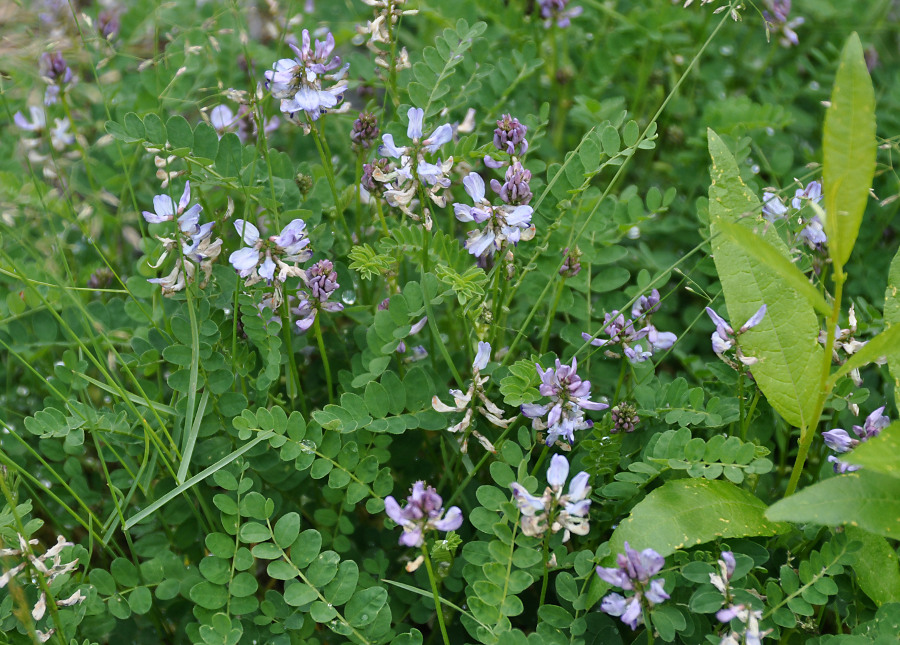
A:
x,y
785,342
875,565
850,149
864,498
683,513
892,318
881,454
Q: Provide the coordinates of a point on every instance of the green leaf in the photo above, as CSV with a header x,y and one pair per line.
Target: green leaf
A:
x,y
228,157
206,141
865,498
685,512
786,339
849,151
880,454
286,530
208,595
876,566
156,131
891,318
179,131
365,604
760,249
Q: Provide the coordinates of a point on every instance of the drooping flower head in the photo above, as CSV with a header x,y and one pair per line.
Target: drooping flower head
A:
x,y
321,280
424,511
723,339
555,510
414,171
633,572
259,259
504,224
840,441
569,398
298,82
57,74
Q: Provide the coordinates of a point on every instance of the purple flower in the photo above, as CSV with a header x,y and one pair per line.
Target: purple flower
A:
x,y
259,259
777,20
723,337
571,265
108,24
773,208
321,280
624,417
365,131
482,357
297,82
633,572
569,397
515,189
555,11
403,181
424,511
555,510
503,224
509,137
57,74
638,343
840,441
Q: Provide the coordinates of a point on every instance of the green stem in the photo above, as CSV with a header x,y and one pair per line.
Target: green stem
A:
x,y
545,340
317,329
325,156
648,624
295,389
545,558
434,593
808,430
746,425
541,459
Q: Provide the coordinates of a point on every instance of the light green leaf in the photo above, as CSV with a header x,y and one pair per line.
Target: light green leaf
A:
x,y
686,512
785,342
892,317
881,454
865,498
875,566
850,147
757,247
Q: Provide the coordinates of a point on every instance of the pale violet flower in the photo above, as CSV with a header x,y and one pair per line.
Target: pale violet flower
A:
x,y
424,511
60,137
414,171
554,510
637,336
750,633
504,225
298,82
569,397
471,401
773,208
723,339
260,258
633,572
321,280
840,441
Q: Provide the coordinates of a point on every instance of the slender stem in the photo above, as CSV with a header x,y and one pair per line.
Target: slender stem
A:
x,y
541,459
384,226
434,592
808,431
648,624
545,558
741,400
317,329
325,156
545,340
746,425
623,370
295,389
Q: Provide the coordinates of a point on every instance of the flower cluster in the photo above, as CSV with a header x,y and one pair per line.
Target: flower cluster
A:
x,y
571,265
474,399
776,17
321,280
812,231
57,74
298,82
569,398
259,259
724,338
845,343
378,32
50,565
840,440
633,572
637,336
414,172
198,248
553,509
624,418
364,133
556,11
504,225
424,511
509,139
